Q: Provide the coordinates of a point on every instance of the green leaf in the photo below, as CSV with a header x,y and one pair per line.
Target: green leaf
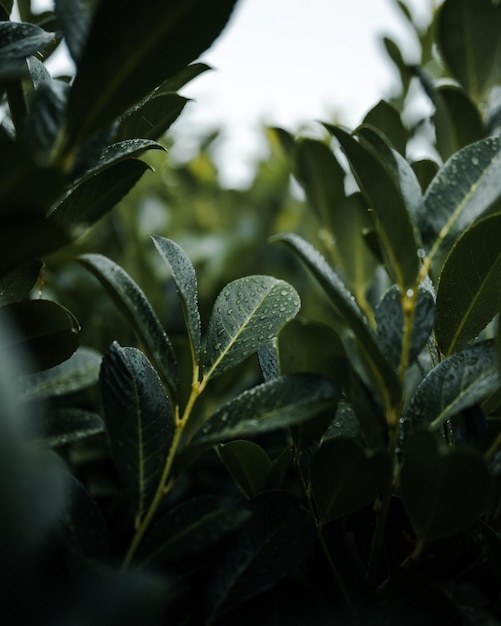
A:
x,y
386,118
469,291
152,118
456,383
142,49
60,427
137,310
248,465
247,314
17,284
269,364
185,279
139,421
79,371
395,55
457,120
392,192
464,188
97,195
19,40
443,490
273,543
425,170
345,304
47,112
191,528
74,19
319,172
181,78
47,331
276,404
7,5
390,324
345,477
468,35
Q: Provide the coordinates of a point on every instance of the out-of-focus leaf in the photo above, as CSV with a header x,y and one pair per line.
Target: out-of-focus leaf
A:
x,y
464,188
468,35
17,284
152,118
346,306
185,279
469,293
191,528
456,383
78,372
386,118
47,331
142,49
275,540
277,404
139,421
60,427
425,170
135,307
74,19
344,477
181,78
443,490
457,120
19,40
395,55
6,6
247,463
248,313
46,116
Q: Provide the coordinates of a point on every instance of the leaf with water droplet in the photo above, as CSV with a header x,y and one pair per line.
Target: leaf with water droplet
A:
x,y
469,290
243,324
185,278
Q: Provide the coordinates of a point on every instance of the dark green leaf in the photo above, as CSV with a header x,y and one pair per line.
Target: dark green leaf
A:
x,y
277,404
78,372
247,314
17,284
152,118
97,195
248,465
19,40
135,307
456,383
7,5
181,78
276,540
469,293
268,360
386,118
345,477
457,120
319,172
47,112
142,49
464,188
390,324
392,192
47,331
38,72
346,306
139,421
425,170
60,427
443,490
185,279
74,19
191,528
468,35
395,55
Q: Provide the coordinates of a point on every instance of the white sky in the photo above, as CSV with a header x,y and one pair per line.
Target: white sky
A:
x,y
289,62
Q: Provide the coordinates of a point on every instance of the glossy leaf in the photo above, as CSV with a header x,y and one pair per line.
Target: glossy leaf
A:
x,y
269,364
390,324
345,478
456,383
142,49
276,540
74,19
19,40
191,528
78,372
464,188
469,293
444,491
46,116
185,279
468,35
47,331
386,118
17,284
60,427
247,463
346,306
277,404
135,307
378,169
319,172
247,314
139,421
152,118
181,78
96,196
457,120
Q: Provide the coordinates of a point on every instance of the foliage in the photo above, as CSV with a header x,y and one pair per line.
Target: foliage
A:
x,y
223,429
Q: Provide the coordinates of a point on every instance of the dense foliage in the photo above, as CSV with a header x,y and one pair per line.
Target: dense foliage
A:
x,y
227,406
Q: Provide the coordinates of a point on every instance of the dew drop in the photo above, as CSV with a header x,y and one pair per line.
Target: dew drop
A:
x,y
474,161
409,293
421,253
229,311
217,346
